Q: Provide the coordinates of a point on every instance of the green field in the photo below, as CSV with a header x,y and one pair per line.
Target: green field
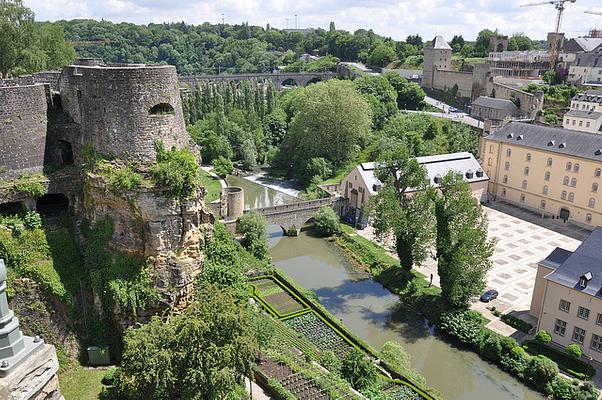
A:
x,y
81,383
212,185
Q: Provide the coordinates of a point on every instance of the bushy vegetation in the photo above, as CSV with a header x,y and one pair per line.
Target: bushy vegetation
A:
x,y
222,166
326,221
255,229
561,94
517,323
543,337
123,178
358,369
566,362
27,184
176,170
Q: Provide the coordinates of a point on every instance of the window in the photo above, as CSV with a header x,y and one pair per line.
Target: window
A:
x,y
569,166
563,195
587,124
524,185
578,335
505,179
526,171
508,152
580,123
545,190
489,161
564,305
565,181
596,343
491,148
597,172
591,203
560,327
594,187
547,176
571,197
528,156
599,319
549,163
507,166
522,198
583,313
588,218
567,121
504,192
576,168
542,205
574,121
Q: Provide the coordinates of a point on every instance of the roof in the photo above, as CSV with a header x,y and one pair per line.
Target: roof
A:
x,y
440,165
556,140
556,258
584,114
439,43
588,44
589,59
591,96
497,104
586,259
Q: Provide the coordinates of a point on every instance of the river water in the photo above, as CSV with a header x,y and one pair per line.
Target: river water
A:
x,y
371,312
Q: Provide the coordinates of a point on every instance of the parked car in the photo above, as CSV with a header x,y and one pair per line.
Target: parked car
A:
x,y
489,296
454,110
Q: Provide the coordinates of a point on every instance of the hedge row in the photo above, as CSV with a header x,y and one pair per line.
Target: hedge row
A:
x,y
566,363
516,323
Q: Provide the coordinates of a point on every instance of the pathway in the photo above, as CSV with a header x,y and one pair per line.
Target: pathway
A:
x,y
457,116
208,170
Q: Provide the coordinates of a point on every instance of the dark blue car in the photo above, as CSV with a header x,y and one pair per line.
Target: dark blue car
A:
x,y
489,296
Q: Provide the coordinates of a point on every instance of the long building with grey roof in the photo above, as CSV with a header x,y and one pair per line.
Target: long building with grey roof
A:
x,y
567,297
553,171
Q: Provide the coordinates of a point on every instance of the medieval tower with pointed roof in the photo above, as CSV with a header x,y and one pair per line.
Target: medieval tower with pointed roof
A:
x,y
437,56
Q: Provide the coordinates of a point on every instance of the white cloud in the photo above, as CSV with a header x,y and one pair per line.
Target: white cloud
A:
x,y
395,18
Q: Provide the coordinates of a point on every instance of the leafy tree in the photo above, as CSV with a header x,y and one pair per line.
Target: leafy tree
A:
x,y
482,45
202,353
329,120
176,170
275,127
316,168
457,43
519,41
541,371
212,145
574,350
408,218
415,40
327,221
543,337
332,27
381,55
463,250
358,370
222,166
381,95
461,138
255,229
410,95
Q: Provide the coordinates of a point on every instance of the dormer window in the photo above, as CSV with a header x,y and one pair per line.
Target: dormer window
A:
x,y
562,145
376,187
510,136
469,174
519,137
437,179
584,279
598,152
551,143
479,173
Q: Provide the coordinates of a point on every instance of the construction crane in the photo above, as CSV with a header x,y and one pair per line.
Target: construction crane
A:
x,y
554,48
593,12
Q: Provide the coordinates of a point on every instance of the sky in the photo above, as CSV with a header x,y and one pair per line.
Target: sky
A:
x,y
396,19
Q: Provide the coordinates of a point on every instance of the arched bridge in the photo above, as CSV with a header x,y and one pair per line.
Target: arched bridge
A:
x,y
280,80
293,215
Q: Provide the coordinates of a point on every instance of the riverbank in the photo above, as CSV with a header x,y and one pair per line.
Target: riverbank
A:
x,y
285,186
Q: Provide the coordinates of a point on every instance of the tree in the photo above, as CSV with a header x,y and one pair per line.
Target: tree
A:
x,y
381,95
327,221
457,43
316,168
332,27
222,166
408,218
541,371
543,337
574,350
463,250
358,370
520,42
176,170
202,353
381,55
410,95
329,120
461,137
255,229
482,45
415,40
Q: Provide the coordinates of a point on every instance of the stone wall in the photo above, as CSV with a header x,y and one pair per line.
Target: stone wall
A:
x,y
445,80
50,77
530,103
23,123
113,105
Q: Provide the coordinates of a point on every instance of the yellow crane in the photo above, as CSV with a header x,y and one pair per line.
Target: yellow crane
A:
x,y
554,48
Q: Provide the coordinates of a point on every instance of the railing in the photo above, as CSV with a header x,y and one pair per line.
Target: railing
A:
x,y
300,206
259,75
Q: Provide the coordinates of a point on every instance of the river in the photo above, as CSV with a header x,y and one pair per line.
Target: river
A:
x,y
370,311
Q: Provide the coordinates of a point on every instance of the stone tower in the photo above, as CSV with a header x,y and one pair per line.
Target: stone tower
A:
x,y
437,56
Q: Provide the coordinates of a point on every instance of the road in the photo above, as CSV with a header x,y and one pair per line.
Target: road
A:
x,y
458,117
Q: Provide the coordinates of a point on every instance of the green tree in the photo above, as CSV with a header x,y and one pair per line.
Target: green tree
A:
x,y
18,37
52,41
316,169
222,166
408,218
482,45
329,120
176,170
255,229
463,250
574,350
382,98
358,370
457,43
410,95
202,353
520,42
327,221
543,337
541,371
381,55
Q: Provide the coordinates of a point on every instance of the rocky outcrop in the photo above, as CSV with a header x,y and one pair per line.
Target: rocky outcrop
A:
x,y
167,232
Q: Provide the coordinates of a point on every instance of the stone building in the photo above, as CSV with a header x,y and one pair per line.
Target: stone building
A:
x,y
585,113
524,64
566,298
437,57
555,172
493,109
587,68
360,185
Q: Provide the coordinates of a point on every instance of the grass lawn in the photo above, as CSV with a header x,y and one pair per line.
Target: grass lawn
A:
x,y
212,185
81,383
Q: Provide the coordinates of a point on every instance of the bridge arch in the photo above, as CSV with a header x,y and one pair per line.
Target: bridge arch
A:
x,y
289,83
315,79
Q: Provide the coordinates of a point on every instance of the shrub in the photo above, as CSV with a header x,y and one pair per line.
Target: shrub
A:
x,y
109,376
561,388
30,185
566,363
317,167
517,323
543,337
176,170
358,370
222,166
574,350
466,326
255,228
327,221
329,361
541,371
516,361
32,220
124,178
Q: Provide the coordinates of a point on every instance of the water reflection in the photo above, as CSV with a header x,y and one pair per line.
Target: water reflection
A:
x,y
257,196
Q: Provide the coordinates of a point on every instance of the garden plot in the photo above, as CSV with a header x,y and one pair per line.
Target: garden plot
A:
x,y
280,300
296,383
320,334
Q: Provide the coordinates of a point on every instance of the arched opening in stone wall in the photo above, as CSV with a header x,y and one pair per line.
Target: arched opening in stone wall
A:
x,y
500,47
51,205
12,208
314,80
162,109
289,83
66,152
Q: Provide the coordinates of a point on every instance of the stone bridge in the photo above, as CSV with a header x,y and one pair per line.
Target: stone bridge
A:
x,y
292,216
280,80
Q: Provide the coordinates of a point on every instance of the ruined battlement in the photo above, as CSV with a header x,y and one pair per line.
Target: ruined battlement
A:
x,y
23,127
